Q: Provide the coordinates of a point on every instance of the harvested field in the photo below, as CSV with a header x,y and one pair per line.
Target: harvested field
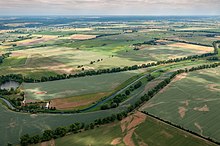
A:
x,y
76,102
202,49
82,37
75,29
36,40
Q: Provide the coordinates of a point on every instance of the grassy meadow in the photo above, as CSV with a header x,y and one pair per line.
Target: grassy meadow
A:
x,y
191,101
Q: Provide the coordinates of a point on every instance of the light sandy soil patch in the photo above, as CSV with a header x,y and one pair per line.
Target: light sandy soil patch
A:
x,y
151,29
41,92
60,68
125,122
39,39
48,143
33,115
4,48
75,29
77,101
82,37
128,138
128,126
6,31
196,28
182,111
116,141
207,99
180,77
186,102
213,87
203,49
199,127
62,105
205,108
18,54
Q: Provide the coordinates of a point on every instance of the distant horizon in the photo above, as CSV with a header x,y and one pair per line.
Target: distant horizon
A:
x,y
113,7
111,15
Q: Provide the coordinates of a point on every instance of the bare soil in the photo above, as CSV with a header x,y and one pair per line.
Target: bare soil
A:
x,y
182,111
205,108
203,49
116,141
129,125
82,37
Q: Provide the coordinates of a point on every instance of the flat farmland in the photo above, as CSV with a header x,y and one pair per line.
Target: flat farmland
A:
x,y
15,124
76,87
67,59
191,101
137,129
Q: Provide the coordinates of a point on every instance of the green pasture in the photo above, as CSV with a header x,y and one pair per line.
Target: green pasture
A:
x,y
77,86
191,102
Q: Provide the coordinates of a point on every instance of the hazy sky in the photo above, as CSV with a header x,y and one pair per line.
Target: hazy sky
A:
x,y
109,7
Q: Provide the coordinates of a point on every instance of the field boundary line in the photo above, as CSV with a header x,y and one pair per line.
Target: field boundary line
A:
x,y
207,139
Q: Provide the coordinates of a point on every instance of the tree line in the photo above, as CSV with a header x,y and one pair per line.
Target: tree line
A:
x,y
216,46
79,127
4,56
71,129
193,43
182,128
113,103
21,78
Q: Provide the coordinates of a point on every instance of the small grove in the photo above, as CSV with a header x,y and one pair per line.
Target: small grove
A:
x,y
78,127
4,56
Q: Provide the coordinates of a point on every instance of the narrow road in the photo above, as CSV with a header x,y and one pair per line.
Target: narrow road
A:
x,y
8,103
116,93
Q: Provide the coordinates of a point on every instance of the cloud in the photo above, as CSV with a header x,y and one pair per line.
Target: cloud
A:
x,y
114,7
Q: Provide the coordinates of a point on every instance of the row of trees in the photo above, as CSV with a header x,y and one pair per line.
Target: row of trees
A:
x,y
4,56
78,127
216,45
150,42
19,78
193,43
11,77
113,103
73,128
113,70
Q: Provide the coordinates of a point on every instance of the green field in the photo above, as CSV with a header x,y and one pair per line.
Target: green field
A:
x,y
59,55
51,46
15,124
191,101
148,132
77,86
